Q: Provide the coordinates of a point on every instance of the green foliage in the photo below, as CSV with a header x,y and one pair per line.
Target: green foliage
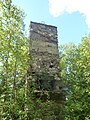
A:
x,y
75,71
13,60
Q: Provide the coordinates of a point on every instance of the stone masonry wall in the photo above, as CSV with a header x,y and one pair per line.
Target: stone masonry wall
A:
x,y
43,48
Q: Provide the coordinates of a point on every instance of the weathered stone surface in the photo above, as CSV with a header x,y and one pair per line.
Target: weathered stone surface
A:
x,y
45,56
43,32
44,67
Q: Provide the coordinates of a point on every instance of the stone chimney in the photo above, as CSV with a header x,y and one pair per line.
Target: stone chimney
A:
x,y
43,48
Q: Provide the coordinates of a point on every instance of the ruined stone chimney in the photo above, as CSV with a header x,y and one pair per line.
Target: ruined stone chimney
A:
x,y
43,48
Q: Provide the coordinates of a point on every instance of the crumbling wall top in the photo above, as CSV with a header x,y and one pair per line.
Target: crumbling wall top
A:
x,y
40,31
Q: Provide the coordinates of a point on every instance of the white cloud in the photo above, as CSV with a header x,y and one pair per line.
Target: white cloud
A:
x,y
58,7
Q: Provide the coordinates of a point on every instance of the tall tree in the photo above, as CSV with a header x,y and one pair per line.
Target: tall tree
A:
x,y
13,57
75,70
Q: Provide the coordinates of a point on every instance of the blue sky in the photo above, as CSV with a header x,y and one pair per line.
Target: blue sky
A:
x,y
71,18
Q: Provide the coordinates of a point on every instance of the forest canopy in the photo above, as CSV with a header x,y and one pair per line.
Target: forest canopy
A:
x,y
75,71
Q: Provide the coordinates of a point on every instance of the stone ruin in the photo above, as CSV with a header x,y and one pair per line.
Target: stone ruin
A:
x,y
43,48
